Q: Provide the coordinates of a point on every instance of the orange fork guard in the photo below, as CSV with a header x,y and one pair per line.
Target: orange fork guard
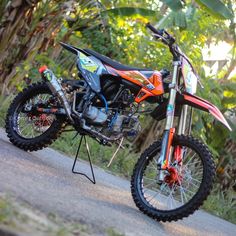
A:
x,y
170,140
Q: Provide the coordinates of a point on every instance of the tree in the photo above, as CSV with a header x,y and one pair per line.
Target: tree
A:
x,y
193,28
30,28
16,18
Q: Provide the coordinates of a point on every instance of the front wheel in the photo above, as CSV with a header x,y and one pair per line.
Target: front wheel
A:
x,y
185,187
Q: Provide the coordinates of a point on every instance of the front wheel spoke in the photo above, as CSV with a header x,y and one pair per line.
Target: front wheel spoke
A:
x,y
195,185
171,199
190,159
153,166
181,197
197,177
196,180
187,191
149,178
180,185
193,164
153,197
183,194
147,185
152,189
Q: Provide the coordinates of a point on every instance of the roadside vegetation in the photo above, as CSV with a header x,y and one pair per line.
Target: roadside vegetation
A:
x,y
18,218
21,219
117,34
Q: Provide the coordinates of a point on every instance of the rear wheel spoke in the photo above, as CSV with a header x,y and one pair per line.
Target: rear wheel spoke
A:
x,y
30,126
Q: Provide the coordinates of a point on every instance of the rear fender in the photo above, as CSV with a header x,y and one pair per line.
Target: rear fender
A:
x,y
204,105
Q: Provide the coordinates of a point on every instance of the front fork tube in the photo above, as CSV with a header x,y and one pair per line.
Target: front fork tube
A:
x,y
182,120
166,152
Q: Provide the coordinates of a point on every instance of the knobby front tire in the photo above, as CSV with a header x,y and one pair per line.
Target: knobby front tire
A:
x,y
166,202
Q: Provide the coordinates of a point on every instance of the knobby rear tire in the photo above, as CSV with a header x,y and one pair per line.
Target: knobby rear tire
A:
x,y
198,198
39,142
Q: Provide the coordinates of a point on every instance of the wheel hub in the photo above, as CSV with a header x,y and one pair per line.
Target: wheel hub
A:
x,y
173,177
41,122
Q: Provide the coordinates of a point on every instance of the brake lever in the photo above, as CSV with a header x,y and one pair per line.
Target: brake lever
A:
x,y
161,37
161,31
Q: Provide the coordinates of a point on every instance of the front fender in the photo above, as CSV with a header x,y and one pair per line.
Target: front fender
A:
x,y
204,105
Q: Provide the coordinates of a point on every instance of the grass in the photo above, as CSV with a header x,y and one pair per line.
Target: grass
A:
x,y
22,219
6,211
218,204
122,165
222,205
4,104
113,232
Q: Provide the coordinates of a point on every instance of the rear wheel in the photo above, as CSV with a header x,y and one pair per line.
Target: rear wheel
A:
x,y
186,184
32,131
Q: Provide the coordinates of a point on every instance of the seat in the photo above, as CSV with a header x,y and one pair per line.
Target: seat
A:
x,y
108,61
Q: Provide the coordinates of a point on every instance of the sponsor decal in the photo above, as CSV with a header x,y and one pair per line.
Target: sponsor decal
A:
x,y
48,76
170,110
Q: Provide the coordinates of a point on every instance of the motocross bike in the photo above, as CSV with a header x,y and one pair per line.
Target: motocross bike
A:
x,y
173,176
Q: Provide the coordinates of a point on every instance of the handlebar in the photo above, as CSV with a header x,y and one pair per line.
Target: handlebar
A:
x,y
162,34
154,30
169,40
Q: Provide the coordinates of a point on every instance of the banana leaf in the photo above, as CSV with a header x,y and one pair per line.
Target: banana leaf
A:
x,y
175,5
130,11
216,8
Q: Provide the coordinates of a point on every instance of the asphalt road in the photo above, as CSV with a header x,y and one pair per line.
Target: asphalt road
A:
x,y
44,180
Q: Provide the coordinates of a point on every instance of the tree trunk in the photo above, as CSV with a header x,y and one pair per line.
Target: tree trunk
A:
x,y
14,27
27,29
24,36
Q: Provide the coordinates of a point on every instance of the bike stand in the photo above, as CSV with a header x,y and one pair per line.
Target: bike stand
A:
x,y
93,180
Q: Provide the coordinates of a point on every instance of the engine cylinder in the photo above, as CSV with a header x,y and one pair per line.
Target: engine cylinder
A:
x,y
95,115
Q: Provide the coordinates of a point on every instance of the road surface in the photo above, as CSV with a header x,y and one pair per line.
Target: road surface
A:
x,y
44,180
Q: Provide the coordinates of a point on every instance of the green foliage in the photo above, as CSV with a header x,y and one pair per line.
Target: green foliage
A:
x,y
110,28
21,219
5,102
217,8
113,232
221,205
174,5
122,165
129,11
2,7
174,18
6,211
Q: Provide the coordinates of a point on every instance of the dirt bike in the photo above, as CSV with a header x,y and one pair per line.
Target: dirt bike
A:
x,y
173,176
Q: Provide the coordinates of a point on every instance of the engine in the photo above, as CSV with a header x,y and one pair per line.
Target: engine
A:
x,y
95,115
110,116
119,120
129,126
113,124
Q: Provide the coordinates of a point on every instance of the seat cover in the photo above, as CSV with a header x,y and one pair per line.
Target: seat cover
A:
x,y
108,61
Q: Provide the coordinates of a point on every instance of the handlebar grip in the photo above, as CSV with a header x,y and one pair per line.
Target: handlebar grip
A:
x,y
154,30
